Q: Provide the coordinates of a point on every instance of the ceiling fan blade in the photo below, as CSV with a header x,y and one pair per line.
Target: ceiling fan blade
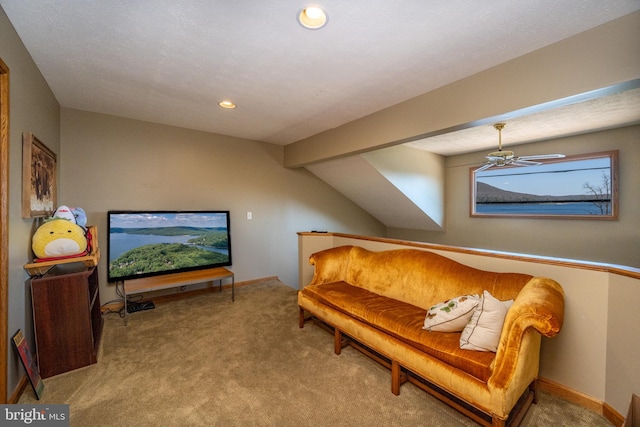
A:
x,y
485,167
520,162
542,157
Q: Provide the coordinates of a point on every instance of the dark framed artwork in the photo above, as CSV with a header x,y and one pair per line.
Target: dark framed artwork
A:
x,y
29,364
39,187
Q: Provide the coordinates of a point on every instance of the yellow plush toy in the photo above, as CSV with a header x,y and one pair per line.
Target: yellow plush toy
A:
x,y
59,237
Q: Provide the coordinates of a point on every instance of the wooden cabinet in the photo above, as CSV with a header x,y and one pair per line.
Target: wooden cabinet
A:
x,y
67,318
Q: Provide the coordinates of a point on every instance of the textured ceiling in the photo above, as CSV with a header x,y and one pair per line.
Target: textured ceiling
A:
x,y
171,62
603,112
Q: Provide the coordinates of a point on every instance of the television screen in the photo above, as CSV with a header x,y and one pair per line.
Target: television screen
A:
x,y
149,243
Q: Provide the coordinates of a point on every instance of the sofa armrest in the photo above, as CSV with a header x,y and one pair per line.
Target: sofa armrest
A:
x,y
539,305
330,265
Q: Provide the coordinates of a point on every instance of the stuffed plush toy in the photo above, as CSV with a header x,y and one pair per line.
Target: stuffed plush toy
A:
x,y
81,217
76,215
64,212
59,237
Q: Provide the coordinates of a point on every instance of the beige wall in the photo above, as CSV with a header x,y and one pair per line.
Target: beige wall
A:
x,y
110,163
623,341
616,242
33,108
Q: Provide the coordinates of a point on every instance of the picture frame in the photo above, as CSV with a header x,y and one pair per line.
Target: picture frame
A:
x,y
30,367
583,186
39,173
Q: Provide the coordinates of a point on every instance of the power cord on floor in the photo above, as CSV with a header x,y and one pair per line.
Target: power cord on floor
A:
x,y
133,302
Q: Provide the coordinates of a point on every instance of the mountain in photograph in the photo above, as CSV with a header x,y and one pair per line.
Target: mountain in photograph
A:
x,y
486,193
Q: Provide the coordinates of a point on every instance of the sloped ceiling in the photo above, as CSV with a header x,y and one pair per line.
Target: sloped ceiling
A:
x,y
401,186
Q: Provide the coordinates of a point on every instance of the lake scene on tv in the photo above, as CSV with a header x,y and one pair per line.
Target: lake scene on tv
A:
x,y
142,244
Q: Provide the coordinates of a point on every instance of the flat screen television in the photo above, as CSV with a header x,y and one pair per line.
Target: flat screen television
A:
x,y
151,243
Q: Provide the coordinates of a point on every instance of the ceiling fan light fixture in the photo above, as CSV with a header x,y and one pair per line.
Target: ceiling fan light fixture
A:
x,y
502,157
312,17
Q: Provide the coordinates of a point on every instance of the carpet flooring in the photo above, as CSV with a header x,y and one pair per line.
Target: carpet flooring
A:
x,y
205,361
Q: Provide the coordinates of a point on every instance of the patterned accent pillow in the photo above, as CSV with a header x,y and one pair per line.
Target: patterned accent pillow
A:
x,y
451,315
483,331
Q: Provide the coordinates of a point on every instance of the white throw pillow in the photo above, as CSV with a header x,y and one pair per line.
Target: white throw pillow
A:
x,y
451,315
482,333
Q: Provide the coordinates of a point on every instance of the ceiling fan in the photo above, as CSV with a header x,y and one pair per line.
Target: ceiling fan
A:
x,y
505,157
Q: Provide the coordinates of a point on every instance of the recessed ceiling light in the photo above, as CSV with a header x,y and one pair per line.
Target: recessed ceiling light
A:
x,y
227,104
312,17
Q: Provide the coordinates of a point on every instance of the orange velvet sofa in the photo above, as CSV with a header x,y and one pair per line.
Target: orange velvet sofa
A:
x,y
377,303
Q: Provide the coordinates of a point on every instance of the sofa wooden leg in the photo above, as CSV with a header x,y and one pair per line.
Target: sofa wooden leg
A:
x,y
396,371
337,341
301,318
533,387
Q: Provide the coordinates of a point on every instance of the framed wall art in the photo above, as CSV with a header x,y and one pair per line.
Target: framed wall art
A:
x,y
39,187
575,187
28,363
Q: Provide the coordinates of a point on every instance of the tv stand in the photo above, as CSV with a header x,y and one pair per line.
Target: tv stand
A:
x,y
167,281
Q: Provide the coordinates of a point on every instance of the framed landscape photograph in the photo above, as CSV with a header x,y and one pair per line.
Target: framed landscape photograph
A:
x,y
576,187
39,187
